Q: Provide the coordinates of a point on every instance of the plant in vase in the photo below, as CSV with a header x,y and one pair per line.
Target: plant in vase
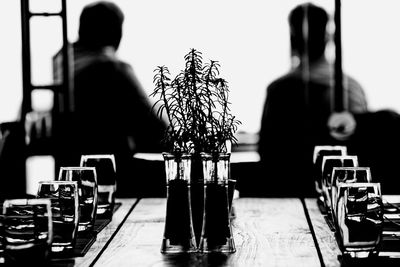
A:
x,y
196,105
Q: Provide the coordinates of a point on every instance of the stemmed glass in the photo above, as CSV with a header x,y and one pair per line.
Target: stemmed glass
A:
x,y
65,212
359,218
87,190
106,181
27,231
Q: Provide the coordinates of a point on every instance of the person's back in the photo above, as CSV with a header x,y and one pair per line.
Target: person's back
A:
x,y
291,127
298,106
111,115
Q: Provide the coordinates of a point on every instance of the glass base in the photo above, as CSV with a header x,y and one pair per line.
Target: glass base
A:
x,y
58,249
36,255
168,248
104,211
228,247
359,254
85,228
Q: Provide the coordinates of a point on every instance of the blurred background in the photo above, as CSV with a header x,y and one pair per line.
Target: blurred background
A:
x,y
249,38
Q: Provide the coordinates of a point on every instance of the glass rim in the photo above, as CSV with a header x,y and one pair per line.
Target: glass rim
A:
x,y
320,148
99,156
357,184
326,157
169,155
58,182
77,168
352,168
27,201
218,155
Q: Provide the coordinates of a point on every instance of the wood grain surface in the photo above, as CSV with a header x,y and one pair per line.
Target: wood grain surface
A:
x,y
325,237
272,232
267,232
105,235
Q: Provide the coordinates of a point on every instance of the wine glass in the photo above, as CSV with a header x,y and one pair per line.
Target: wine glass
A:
x,y
359,218
65,212
27,231
87,191
106,181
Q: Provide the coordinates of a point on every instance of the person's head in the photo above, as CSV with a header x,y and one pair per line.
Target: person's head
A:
x,y
316,18
101,25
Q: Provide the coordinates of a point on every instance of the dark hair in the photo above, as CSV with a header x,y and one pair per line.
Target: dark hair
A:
x,y
101,25
317,21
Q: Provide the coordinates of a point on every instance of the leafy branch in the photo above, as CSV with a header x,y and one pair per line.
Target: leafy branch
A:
x,y
196,105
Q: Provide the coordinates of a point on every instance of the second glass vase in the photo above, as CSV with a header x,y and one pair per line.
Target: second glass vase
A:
x,y
216,235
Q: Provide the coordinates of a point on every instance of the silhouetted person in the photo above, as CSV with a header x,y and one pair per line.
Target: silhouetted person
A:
x,y
298,106
112,114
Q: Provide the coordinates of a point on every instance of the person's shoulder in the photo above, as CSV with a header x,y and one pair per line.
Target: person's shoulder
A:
x,y
283,82
117,65
352,83
123,66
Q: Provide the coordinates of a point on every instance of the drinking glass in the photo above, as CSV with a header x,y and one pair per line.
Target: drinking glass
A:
x,y
87,191
106,181
27,231
328,163
216,234
64,200
346,175
2,244
360,218
178,232
319,152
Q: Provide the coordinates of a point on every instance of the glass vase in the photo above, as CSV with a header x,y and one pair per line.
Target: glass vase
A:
x,y
216,235
178,232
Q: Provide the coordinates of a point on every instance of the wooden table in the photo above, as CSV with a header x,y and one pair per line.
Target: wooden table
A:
x,y
267,232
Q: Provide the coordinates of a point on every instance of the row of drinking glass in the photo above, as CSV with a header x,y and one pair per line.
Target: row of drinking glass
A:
x,y
31,228
353,203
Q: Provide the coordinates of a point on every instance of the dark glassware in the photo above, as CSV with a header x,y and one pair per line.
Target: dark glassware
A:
x,y
178,232
27,231
87,190
319,153
328,163
64,200
216,233
106,181
360,218
346,175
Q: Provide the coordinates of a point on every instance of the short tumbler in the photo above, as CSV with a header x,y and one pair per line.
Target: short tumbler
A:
x,y
87,190
106,181
65,212
27,231
360,218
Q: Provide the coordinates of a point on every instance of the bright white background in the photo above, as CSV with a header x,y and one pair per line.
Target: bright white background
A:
x,y
249,38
